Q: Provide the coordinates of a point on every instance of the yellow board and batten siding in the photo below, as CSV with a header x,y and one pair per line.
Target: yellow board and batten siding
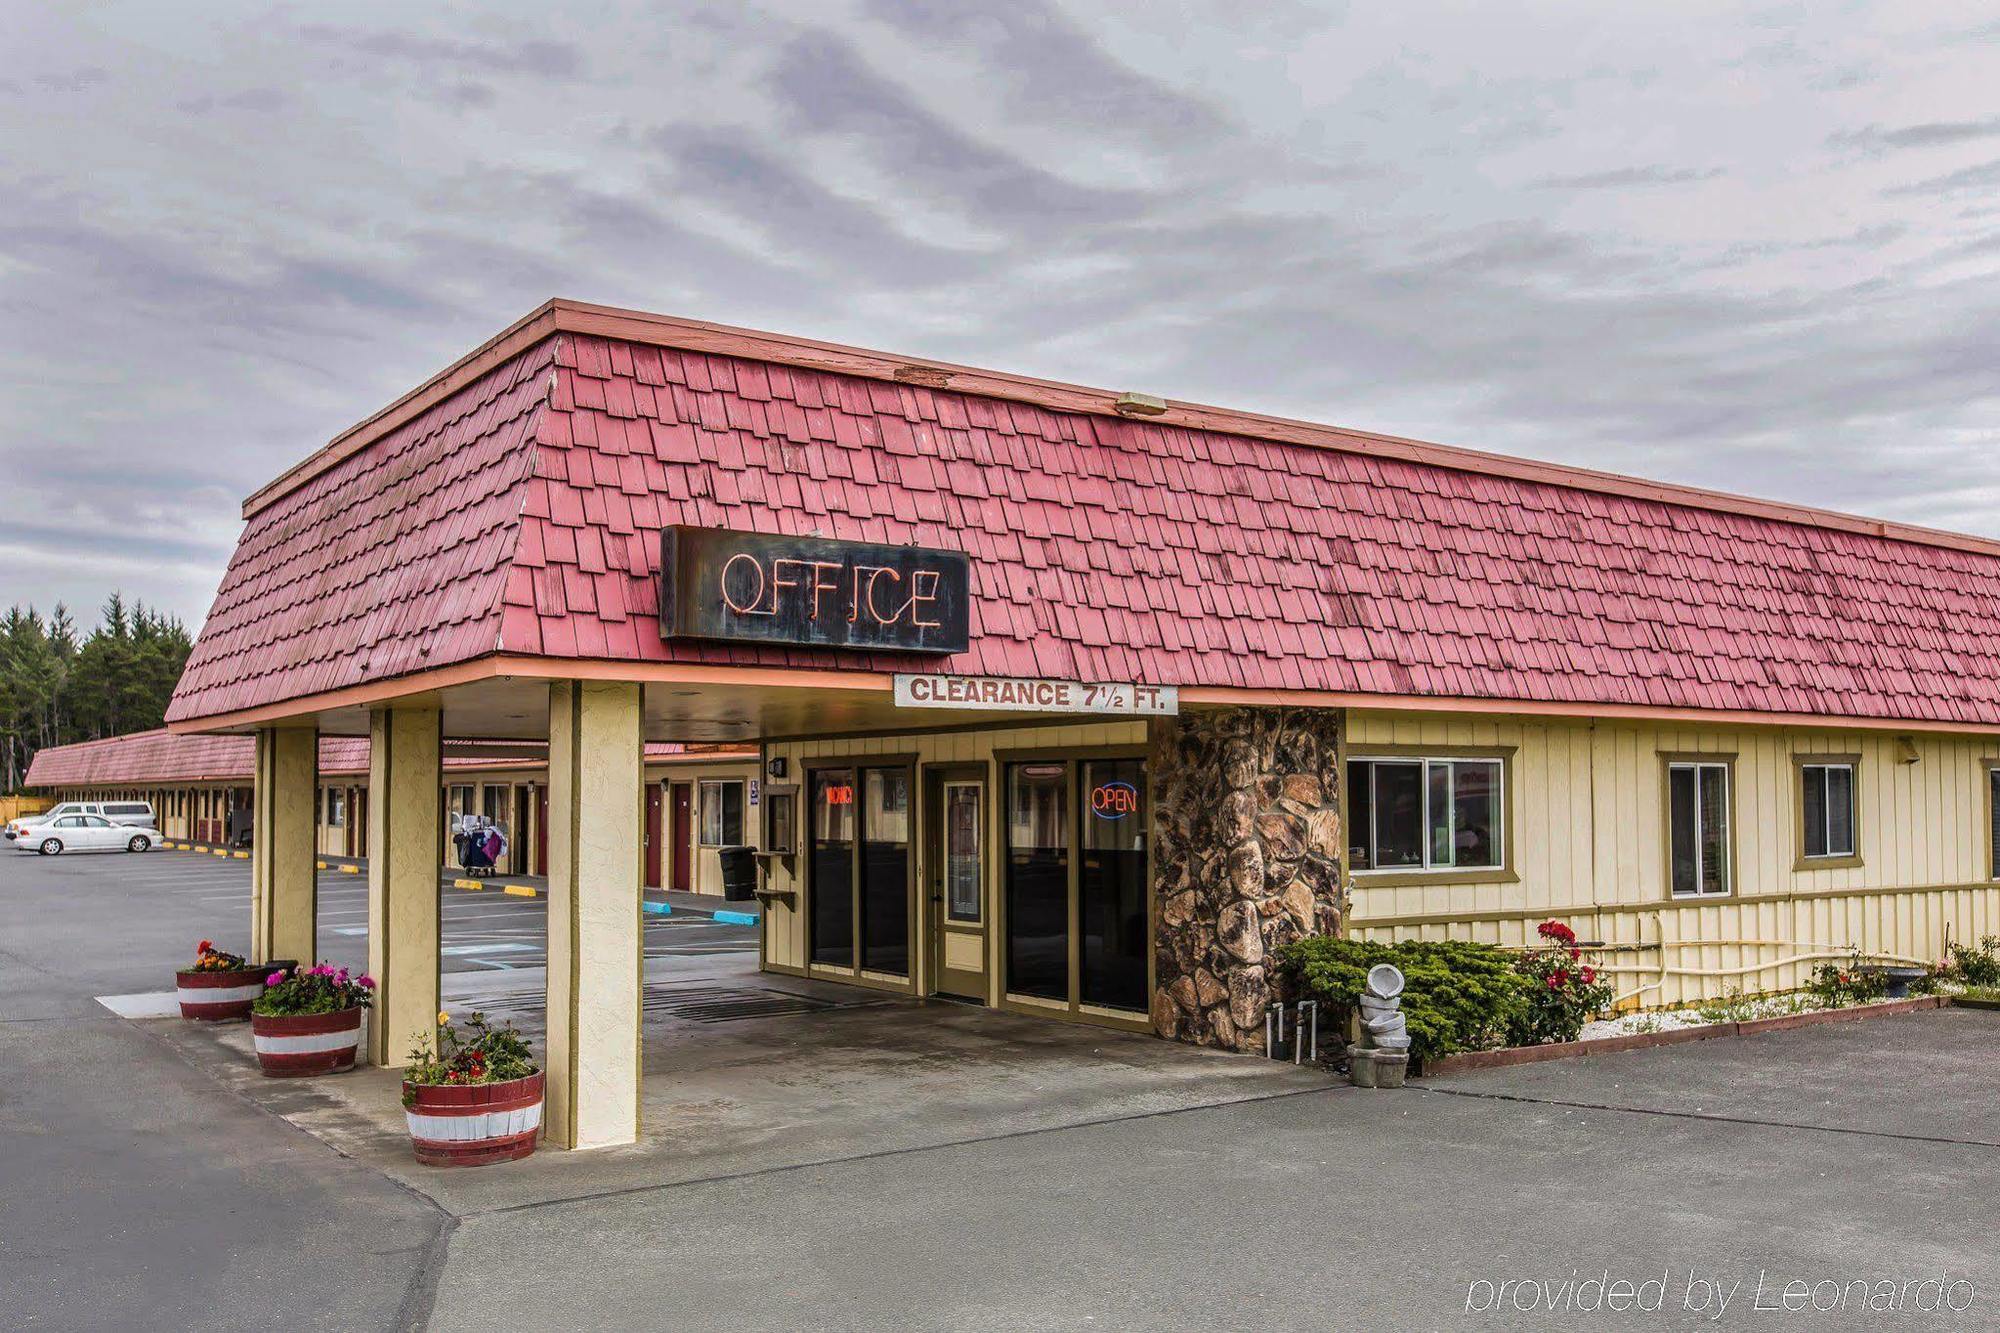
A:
x,y
1587,829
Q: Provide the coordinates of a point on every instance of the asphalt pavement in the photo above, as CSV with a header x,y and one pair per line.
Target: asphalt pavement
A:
x,y
1719,1183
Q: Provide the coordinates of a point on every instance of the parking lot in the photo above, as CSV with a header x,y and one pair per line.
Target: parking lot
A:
x,y
480,931
846,1161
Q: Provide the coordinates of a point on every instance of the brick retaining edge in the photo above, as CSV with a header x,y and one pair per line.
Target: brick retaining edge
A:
x,y
1467,1061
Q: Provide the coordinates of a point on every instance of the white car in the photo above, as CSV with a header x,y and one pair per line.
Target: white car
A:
x,y
83,833
138,814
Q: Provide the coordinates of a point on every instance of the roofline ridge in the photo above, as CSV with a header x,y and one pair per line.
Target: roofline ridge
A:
x,y
561,315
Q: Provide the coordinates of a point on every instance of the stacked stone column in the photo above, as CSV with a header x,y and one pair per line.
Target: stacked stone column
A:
x,y
1248,834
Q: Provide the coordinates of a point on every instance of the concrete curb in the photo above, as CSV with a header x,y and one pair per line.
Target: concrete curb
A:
x,y
729,918
656,909
1468,1061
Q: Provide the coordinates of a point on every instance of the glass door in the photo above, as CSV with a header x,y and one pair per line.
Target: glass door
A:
x,y
956,818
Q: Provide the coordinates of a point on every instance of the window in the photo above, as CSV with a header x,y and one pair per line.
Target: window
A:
x,y
722,814
1698,829
1425,814
336,808
1826,795
1992,820
1037,886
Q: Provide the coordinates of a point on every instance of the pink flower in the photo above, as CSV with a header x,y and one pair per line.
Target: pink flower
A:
x,y
366,982
274,978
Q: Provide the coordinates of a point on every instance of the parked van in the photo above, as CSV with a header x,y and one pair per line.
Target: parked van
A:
x,y
136,814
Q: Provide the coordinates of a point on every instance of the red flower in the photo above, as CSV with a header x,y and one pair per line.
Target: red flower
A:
x,y
1589,976
1558,979
1575,954
1556,930
204,946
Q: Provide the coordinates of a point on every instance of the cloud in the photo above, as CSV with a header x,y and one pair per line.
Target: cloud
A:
x,y
1981,177
1662,258
1620,178
542,57
1931,134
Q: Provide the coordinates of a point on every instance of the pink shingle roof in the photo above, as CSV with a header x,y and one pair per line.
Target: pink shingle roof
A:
x,y
521,515
146,758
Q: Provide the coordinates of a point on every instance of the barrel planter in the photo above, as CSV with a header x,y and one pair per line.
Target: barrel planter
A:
x,y
218,996
295,1045
474,1124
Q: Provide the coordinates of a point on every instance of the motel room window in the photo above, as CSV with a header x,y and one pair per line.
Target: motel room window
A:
x,y
1698,829
1993,822
721,813
458,807
336,808
1425,814
1826,794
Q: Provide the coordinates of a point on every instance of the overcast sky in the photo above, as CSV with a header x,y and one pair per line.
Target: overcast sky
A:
x,y
1746,246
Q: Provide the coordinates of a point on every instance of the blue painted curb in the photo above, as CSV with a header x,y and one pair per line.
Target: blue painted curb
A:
x,y
737,918
658,909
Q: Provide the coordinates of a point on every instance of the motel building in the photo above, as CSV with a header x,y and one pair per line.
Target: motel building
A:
x,y
700,799
1079,703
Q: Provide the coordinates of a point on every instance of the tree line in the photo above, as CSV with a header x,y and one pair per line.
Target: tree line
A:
x,y
57,688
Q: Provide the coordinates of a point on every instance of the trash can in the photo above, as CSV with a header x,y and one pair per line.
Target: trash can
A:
x,y
739,873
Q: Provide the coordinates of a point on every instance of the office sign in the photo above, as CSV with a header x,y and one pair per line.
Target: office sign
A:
x,y
758,588
1036,696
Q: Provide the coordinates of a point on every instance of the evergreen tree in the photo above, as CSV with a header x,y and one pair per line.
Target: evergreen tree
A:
x,y
55,690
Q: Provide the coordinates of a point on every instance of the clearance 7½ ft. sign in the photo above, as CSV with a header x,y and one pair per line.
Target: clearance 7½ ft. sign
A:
x,y
1003,694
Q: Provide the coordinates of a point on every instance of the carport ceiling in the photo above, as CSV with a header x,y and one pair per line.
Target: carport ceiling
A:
x,y
518,708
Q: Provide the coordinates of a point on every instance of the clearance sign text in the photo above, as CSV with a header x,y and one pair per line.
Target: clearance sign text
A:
x,y
1036,696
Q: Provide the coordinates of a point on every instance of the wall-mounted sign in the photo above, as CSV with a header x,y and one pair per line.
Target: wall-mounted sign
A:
x,y
719,584
1036,696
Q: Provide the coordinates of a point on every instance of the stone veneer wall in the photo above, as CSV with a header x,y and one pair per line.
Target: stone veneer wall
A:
x,y
1247,829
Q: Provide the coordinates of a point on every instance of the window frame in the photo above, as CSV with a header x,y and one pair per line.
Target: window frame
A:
x,y
1669,761
1991,767
701,787
1826,860
1502,873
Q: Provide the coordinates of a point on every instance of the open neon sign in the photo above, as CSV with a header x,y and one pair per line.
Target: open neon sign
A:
x,y
1114,800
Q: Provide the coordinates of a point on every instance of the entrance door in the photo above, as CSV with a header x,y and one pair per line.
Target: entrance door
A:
x,y
683,826
956,881
541,830
652,835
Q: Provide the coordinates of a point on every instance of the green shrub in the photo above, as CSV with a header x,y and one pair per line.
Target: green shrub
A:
x,y
1976,966
1835,985
1457,996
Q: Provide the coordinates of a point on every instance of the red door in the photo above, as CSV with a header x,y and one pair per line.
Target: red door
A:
x,y
652,835
541,830
684,837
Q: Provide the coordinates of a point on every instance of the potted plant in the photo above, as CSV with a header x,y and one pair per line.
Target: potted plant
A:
x,y
473,1094
308,1020
219,986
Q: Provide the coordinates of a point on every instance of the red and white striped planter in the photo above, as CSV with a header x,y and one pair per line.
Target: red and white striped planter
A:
x,y
216,996
295,1045
474,1124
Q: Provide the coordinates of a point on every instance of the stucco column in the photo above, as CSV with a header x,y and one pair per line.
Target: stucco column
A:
x,y
284,884
595,932
1247,856
405,816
